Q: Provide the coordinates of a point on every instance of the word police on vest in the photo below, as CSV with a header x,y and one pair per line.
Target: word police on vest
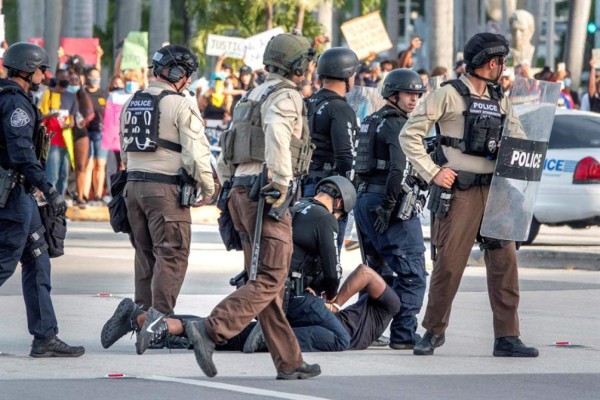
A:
x,y
486,107
527,160
141,103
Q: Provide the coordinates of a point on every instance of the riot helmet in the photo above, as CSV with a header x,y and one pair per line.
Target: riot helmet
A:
x,y
344,189
337,63
482,47
288,53
402,80
25,57
180,61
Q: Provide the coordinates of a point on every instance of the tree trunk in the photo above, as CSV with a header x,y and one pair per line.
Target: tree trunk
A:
x,y
101,14
128,18
470,25
579,12
439,15
300,20
270,15
393,29
159,24
78,18
31,19
537,9
326,18
53,19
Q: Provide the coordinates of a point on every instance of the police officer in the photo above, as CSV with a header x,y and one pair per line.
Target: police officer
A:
x,y
388,241
464,161
23,150
282,127
332,122
167,157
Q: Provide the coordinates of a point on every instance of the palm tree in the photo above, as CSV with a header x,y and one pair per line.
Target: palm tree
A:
x,y
159,24
78,18
53,22
31,19
439,14
128,18
579,12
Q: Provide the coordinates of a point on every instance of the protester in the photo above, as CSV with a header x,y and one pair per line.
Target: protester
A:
x,y
406,57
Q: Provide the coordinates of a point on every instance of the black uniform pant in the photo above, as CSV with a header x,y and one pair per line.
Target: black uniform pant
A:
x,y
19,221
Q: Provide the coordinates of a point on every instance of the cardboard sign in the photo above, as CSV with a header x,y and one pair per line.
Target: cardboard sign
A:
x,y
596,57
37,40
135,51
111,126
255,47
87,48
233,47
2,29
366,34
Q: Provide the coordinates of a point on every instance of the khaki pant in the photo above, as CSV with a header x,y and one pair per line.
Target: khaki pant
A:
x,y
161,231
262,297
453,237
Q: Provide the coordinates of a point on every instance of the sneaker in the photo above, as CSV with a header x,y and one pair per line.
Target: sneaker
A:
x,y
381,341
154,330
402,346
512,346
204,346
54,347
121,322
255,342
428,343
172,342
304,371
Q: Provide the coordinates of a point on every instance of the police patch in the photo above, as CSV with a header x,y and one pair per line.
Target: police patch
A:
x,y
19,118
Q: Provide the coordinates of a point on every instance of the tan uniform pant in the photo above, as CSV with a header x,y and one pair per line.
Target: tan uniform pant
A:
x,y
264,296
162,232
453,237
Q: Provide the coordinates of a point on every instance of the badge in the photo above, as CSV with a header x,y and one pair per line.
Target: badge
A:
x,y
19,118
492,146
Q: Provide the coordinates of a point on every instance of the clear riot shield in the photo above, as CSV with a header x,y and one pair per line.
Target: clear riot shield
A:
x,y
364,101
520,162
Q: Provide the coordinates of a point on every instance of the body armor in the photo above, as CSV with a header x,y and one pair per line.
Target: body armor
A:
x,y
368,158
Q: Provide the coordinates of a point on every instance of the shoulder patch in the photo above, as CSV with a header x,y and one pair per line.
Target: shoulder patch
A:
x,y
19,118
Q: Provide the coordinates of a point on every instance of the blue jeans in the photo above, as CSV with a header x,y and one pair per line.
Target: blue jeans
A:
x,y
19,220
315,327
96,150
402,248
57,168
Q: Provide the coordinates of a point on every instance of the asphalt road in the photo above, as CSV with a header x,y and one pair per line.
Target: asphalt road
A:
x,y
557,305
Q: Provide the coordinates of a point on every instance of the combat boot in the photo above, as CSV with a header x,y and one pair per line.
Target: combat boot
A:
x,y
255,341
511,346
304,371
54,347
122,321
204,346
428,343
154,330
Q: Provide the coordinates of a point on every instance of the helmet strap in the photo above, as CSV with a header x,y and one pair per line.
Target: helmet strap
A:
x,y
492,81
347,82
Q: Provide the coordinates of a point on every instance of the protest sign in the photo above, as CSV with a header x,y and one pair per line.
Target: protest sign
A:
x,y
255,47
596,57
87,48
135,51
233,47
366,34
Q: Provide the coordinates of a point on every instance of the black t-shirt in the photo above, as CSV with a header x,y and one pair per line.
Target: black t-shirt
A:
x,y
315,232
98,101
595,103
333,126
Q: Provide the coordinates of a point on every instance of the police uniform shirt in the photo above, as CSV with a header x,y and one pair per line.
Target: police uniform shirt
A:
x,y
180,122
16,141
315,232
281,118
445,106
334,118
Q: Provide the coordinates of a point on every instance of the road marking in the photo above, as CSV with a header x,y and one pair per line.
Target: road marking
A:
x,y
232,388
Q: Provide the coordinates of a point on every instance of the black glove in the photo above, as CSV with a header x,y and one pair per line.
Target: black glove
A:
x,y
383,219
55,201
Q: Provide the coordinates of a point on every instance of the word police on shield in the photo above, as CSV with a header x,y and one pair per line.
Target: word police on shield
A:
x,y
521,159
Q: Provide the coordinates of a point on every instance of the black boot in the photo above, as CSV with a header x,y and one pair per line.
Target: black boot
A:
x,y
54,347
428,343
511,346
304,371
255,342
204,346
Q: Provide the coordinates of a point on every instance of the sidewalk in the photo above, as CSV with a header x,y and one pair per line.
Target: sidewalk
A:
x,y
200,215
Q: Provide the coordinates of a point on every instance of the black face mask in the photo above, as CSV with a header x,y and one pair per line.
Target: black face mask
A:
x,y
63,83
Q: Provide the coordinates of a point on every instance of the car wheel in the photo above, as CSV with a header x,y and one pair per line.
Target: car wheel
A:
x,y
533,231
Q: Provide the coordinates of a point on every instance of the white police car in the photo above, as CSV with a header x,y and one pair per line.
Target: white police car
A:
x,y
569,191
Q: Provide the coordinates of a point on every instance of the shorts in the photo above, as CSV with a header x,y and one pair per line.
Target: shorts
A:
x,y
96,150
368,318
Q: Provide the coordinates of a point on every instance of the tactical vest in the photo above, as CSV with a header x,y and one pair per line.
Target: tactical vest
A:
x,y
483,123
303,266
322,140
40,139
141,127
368,159
244,141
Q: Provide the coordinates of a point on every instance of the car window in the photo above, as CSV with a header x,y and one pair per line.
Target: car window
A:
x,y
575,131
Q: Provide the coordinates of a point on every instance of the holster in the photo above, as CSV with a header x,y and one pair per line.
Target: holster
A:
x,y
286,295
187,189
55,231
8,180
231,238
439,201
278,213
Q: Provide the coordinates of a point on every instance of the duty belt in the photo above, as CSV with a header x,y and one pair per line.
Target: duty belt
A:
x,y
152,177
246,180
466,179
370,188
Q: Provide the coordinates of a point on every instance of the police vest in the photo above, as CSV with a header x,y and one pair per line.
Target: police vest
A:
x,y
368,159
244,141
142,117
483,123
303,265
40,139
321,139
